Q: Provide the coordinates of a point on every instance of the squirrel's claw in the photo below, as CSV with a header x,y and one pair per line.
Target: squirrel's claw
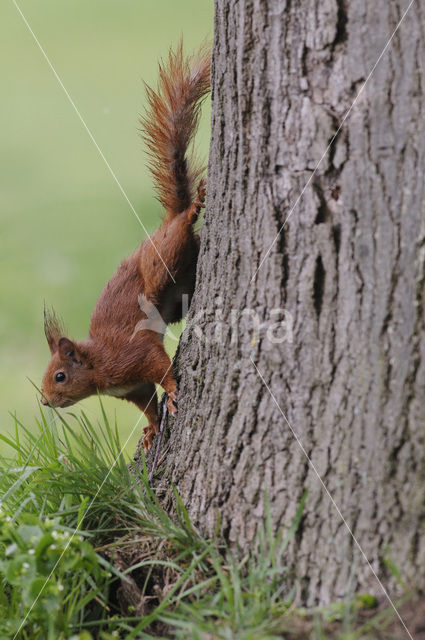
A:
x,y
172,403
202,191
149,431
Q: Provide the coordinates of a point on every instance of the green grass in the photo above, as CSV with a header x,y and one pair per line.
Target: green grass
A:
x,y
68,476
64,224
76,524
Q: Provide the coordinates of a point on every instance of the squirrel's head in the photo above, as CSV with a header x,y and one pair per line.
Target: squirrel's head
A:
x,y
68,377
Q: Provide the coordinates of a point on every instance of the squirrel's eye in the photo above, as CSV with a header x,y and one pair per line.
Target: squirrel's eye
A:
x,y
60,377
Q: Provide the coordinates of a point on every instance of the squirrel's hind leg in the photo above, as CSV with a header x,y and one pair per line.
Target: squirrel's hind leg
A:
x,y
171,250
195,208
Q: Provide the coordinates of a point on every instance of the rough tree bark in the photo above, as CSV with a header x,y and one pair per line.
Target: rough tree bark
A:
x,y
348,267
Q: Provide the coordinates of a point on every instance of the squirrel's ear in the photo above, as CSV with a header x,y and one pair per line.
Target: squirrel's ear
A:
x,y
66,348
69,350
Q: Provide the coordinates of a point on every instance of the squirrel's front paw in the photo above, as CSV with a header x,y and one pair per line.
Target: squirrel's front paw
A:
x,y
172,403
149,431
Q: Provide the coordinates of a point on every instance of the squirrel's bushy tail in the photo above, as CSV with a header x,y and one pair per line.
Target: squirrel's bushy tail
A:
x,y
170,122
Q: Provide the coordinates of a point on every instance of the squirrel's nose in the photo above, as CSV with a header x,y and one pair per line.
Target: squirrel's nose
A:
x,y
44,401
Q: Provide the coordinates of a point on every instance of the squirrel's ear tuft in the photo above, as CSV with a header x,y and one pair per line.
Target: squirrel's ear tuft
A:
x,y
53,329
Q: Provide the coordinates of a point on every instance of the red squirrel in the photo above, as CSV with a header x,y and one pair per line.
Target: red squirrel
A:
x,y
120,357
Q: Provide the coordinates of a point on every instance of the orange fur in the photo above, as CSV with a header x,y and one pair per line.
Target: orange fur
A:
x,y
115,359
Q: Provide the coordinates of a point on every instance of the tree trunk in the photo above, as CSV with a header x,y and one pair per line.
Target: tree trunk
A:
x,y
345,276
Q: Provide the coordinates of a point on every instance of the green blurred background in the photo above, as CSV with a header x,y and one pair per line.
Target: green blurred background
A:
x,y
65,225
